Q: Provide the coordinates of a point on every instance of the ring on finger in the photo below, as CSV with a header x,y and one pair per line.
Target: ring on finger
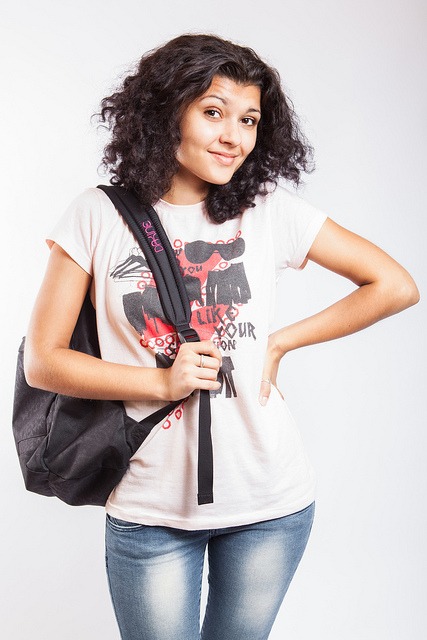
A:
x,y
202,361
266,380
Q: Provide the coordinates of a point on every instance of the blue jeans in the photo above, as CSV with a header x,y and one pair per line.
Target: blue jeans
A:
x,y
155,577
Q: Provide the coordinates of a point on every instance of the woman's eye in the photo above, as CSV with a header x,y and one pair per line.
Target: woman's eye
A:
x,y
212,113
250,121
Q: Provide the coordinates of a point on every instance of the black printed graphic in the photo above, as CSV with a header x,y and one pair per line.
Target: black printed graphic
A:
x,y
131,267
141,307
217,286
225,377
199,251
228,287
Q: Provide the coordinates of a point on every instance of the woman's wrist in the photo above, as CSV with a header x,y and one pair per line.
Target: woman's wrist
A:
x,y
155,384
278,345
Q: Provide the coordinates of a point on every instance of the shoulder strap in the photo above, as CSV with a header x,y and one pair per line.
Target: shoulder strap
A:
x,y
145,225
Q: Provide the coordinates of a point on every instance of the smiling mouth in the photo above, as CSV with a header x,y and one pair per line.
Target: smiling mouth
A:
x,y
223,158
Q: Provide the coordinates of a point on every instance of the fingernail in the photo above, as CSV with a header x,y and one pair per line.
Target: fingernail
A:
x,y
263,401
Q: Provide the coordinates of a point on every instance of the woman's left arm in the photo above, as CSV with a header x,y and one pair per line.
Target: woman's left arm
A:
x,y
384,288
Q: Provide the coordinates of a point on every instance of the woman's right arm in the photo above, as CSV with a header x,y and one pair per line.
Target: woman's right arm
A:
x,y
50,364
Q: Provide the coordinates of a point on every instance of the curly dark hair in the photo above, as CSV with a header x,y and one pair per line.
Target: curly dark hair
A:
x,y
144,119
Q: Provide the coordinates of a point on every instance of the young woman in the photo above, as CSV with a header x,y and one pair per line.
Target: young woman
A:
x,y
203,132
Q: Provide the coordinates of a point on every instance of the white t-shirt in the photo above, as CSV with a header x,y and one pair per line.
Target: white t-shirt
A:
x,y
261,470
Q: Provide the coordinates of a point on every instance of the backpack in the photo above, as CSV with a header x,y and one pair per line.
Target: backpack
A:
x,y
77,449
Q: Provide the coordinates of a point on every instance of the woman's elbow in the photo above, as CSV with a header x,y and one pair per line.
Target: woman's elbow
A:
x,y
404,292
34,368
31,375
411,295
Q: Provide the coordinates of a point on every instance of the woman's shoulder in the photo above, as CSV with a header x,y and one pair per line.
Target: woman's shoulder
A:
x,y
280,195
92,200
90,209
285,204
89,215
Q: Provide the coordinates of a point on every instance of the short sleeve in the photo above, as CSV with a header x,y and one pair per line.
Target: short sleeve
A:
x,y
77,231
295,225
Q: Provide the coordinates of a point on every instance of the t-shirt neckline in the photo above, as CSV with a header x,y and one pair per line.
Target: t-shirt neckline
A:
x,y
185,208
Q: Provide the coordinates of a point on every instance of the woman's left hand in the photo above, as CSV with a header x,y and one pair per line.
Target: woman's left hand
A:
x,y
384,288
271,367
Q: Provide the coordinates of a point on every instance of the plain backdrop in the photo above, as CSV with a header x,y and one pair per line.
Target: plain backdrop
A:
x,y
356,72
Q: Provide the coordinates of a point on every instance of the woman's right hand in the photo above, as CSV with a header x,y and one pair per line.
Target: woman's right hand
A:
x,y
51,365
196,367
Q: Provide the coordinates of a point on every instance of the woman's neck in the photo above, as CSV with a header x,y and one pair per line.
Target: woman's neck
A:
x,y
186,189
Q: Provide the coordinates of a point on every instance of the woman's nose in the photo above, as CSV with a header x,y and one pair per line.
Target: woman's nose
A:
x,y
230,133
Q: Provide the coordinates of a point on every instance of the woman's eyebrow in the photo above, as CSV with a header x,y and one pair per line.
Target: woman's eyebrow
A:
x,y
213,95
225,101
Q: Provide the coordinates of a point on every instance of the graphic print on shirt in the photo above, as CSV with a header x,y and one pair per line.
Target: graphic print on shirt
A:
x,y
217,287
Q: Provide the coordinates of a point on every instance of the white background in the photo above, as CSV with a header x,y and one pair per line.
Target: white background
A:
x,y
357,74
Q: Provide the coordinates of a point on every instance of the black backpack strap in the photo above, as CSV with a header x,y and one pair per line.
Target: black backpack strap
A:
x,y
145,225
205,462
147,229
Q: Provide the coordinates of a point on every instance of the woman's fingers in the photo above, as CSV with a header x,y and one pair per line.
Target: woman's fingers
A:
x,y
205,354
205,362
196,367
207,348
265,391
269,374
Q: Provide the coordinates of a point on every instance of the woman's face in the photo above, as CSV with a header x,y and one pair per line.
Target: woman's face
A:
x,y
218,132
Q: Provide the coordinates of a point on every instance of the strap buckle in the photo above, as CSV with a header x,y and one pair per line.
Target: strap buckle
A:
x,y
188,334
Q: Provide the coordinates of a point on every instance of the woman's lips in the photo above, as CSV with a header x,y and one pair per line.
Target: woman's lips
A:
x,y
223,158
